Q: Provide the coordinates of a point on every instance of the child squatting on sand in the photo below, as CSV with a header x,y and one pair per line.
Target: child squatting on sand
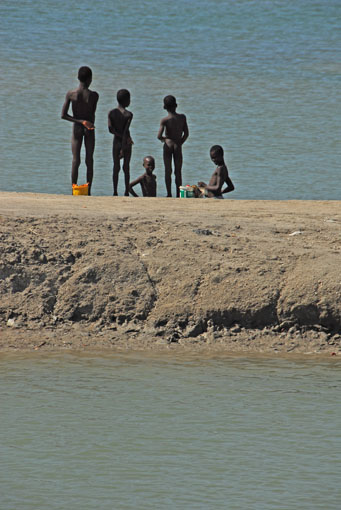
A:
x,y
173,133
147,180
119,120
84,103
219,176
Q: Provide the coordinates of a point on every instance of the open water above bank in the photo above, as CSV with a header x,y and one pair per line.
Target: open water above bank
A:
x,y
145,432
260,78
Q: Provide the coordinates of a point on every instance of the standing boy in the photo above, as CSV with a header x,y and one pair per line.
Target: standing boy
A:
x,y
219,176
119,120
147,180
84,103
176,133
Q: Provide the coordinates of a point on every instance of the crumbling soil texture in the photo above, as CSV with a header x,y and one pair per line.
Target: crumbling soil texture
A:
x,y
108,272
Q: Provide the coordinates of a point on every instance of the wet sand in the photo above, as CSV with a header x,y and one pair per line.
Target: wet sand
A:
x,y
161,274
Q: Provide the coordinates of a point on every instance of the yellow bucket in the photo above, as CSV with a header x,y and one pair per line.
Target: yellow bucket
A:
x,y
83,189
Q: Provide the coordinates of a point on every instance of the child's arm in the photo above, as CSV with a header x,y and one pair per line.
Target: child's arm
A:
x,y
133,183
229,187
161,130
65,115
185,131
125,138
219,181
111,124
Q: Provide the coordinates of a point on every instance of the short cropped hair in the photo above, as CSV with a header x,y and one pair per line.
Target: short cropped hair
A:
x,y
84,74
123,95
169,102
217,149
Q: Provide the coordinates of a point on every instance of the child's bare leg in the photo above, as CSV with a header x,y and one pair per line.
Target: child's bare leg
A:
x,y
89,142
178,167
167,160
126,169
76,145
117,166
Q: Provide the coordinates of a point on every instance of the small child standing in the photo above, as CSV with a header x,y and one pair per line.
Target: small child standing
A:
x,y
147,180
219,176
176,133
119,120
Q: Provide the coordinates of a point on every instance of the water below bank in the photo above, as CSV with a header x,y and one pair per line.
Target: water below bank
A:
x,y
103,431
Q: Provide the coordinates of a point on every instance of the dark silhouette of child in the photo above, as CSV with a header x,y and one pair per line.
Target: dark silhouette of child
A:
x,y
84,103
173,133
119,120
214,189
147,180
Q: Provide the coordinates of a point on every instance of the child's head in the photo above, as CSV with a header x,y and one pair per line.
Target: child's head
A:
x,y
169,103
123,97
149,164
217,154
85,75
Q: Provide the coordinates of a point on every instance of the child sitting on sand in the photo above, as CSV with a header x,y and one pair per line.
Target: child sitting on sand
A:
x,y
219,176
119,120
147,180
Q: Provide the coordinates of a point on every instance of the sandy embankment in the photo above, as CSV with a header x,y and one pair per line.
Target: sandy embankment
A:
x,y
104,272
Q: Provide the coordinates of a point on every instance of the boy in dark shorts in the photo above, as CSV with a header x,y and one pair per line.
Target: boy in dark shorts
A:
x,y
175,128
84,104
214,189
147,180
119,120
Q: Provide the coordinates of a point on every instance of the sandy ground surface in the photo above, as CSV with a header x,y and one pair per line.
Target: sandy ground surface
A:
x,y
169,274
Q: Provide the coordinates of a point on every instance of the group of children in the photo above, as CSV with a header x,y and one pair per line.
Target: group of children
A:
x,y
173,132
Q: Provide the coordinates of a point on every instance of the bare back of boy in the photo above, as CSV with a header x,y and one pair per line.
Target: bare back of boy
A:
x,y
83,102
173,132
119,120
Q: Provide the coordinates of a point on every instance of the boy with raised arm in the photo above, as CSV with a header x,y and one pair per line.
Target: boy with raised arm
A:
x,y
214,189
84,103
147,180
173,133
119,120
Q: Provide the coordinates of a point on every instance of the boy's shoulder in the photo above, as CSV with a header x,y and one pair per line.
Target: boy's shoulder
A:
x,y
119,112
72,94
174,115
168,116
222,169
94,94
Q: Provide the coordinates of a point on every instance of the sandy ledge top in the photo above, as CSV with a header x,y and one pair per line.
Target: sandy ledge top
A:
x,y
156,273
42,205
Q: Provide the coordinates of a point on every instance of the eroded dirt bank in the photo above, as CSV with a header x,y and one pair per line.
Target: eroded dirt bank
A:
x,y
256,276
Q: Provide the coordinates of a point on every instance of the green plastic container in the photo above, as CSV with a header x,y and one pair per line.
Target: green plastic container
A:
x,y
186,192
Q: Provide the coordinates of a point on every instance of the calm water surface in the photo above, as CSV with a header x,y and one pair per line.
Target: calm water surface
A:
x,y
259,77
126,432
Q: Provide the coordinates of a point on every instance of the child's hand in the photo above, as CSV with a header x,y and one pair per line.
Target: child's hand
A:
x,y
88,125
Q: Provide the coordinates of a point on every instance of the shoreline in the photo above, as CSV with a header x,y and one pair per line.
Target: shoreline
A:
x,y
169,275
